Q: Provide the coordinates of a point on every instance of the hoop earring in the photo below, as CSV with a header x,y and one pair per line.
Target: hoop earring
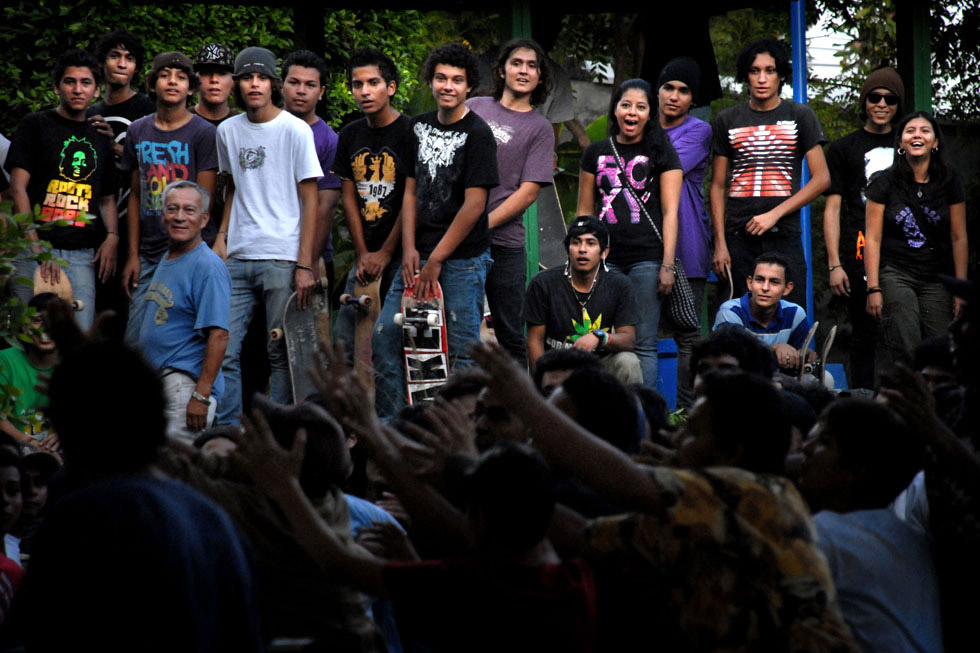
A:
x,y
901,151
935,149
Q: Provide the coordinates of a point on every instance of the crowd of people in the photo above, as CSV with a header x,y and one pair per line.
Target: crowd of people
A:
x,y
559,509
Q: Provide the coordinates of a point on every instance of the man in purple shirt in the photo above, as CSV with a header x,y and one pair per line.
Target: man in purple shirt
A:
x,y
525,156
677,89
304,75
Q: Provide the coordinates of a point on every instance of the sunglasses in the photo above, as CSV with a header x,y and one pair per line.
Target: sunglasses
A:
x,y
889,98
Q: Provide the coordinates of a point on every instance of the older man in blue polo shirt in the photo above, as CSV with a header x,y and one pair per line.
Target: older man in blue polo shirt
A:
x,y
779,324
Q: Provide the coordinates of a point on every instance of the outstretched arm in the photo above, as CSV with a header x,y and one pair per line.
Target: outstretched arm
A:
x,y
565,443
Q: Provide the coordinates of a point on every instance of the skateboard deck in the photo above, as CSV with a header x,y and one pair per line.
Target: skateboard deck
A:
x,y
817,367
424,340
321,303
62,289
804,350
302,330
367,307
551,230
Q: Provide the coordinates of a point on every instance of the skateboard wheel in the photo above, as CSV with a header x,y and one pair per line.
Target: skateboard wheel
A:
x,y
78,305
275,334
345,298
323,283
364,300
400,319
432,320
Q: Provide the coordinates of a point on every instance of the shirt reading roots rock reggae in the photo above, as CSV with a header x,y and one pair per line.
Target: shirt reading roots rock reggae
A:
x,y
71,167
765,150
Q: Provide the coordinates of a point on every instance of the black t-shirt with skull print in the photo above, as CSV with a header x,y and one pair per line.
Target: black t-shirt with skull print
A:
x,y
71,167
448,160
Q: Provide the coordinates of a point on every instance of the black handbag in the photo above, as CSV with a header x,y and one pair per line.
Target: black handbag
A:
x,y
678,306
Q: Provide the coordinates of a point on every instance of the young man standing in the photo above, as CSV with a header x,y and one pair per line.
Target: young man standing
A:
x,y
184,331
852,160
304,77
167,146
525,153
677,89
60,161
778,324
583,306
269,225
214,64
445,232
373,154
765,142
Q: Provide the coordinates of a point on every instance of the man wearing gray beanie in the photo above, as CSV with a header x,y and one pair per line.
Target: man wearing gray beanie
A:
x,y
852,161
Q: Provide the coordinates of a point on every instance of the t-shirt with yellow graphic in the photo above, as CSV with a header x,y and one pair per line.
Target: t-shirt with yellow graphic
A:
x,y
71,167
375,160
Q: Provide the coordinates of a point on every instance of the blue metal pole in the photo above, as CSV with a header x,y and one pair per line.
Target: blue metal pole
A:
x,y
798,31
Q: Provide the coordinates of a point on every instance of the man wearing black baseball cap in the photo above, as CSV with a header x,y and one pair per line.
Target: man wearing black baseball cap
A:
x,y
584,305
214,64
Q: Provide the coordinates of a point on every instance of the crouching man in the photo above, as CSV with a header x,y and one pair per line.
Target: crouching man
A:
x,y
585,306
185,325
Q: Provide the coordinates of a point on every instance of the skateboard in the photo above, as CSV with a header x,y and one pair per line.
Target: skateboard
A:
x,y
551,230
804,350
367,307
62,289
817,367
302,329
423,326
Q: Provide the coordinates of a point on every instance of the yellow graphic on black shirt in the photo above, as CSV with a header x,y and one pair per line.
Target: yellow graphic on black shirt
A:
x,y
68,198
374,176
586,327
164,297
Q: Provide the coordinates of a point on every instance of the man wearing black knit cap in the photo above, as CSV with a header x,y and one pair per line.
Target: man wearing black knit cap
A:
x,y
677,90
852,161
584,305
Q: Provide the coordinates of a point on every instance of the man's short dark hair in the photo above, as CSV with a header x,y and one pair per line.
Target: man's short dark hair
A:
x,y
107,407
733,340
875,444
541,91
77,59
605,407
276,93
41,300
570,359
588,224
452,54
747,419
371,57
306,59
773,48
512,488
127,40
773,258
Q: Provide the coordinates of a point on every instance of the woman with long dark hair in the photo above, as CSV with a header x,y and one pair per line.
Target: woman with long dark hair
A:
x,y
915,230
632,182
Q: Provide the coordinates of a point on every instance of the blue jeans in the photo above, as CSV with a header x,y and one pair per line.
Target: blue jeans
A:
x,y
645,277
505,294
80,272
270,282
462,282
137,304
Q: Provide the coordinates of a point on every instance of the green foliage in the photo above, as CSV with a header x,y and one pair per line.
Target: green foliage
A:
x,y
732,31
585,37
41,30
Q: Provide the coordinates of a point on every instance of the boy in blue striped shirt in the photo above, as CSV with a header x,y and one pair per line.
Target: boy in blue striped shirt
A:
x,y
779,324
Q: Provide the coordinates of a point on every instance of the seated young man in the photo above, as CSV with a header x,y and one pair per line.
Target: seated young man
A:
x,y
859,457
779,324
584,306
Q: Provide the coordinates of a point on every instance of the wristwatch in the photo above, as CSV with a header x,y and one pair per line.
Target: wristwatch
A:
x,y
603,337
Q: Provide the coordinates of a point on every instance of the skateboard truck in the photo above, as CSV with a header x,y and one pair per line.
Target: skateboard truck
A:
x,y
360,302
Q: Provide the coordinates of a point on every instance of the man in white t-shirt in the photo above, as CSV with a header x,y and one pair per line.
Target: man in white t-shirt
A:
x,y
269,224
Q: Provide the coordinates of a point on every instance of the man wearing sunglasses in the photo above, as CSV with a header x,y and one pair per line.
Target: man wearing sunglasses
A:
x,y
852,161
